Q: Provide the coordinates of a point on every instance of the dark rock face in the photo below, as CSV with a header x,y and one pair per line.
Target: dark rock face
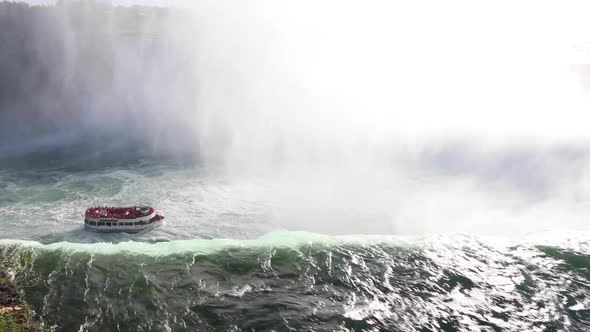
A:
x,y
14,315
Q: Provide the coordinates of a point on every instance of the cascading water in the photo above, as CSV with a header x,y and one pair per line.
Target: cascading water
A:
x,y
276,137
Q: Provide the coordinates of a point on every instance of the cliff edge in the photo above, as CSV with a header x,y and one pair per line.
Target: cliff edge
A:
x,y
14,314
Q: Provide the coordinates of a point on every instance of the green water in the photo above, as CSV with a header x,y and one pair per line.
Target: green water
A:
x,y
226,260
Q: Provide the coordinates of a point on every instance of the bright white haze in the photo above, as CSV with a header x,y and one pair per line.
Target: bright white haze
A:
x,y
382,116
393,117
388,69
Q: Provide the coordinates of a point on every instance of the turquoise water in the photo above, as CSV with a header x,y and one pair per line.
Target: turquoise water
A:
x,y
227,260
301,281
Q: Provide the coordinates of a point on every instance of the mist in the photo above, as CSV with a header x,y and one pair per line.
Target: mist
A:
x,y
393,118
345,83
379,118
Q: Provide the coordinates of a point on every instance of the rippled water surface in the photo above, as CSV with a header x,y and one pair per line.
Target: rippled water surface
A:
x,y
47,205
300,281
220,264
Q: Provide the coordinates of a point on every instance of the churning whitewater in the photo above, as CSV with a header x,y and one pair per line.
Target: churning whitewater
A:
x,y
218,263
301,281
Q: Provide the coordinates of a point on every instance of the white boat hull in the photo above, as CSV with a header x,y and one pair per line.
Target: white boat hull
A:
x,y
123,229
131,219
138,219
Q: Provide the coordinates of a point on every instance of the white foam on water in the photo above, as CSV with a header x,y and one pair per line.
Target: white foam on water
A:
x,y
277,239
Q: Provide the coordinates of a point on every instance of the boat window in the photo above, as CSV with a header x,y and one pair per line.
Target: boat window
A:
x,y
92,223
108,223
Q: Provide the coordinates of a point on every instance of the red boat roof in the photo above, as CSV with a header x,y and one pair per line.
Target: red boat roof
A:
x,y
117,212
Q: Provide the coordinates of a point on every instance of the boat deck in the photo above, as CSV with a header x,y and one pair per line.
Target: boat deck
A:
x,y
130,212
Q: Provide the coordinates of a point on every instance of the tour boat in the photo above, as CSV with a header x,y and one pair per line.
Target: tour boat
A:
x,y
130,219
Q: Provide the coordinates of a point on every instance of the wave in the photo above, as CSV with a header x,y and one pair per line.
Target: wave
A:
x,y
276,239
305,281
571,240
